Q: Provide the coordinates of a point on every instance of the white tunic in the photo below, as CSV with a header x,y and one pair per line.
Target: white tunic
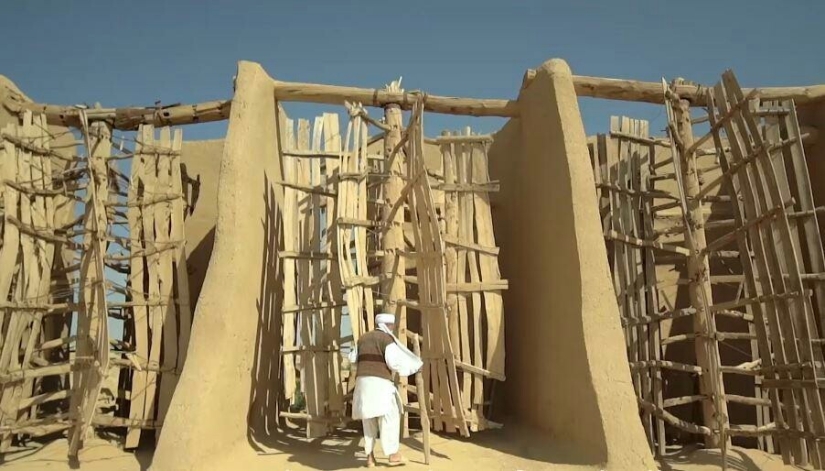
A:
x,y
374,396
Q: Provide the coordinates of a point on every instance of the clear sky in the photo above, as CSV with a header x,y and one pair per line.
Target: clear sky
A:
x,y
134,53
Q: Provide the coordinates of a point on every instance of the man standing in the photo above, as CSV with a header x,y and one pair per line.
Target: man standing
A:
x,y
377,356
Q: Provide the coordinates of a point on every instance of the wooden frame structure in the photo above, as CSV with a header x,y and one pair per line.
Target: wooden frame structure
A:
x,y
36,358
773,312
442,220
126,244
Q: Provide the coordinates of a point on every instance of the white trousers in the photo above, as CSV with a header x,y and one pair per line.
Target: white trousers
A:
x,y
389,426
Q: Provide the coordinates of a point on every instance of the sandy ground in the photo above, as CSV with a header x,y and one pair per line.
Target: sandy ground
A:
x,y
491,451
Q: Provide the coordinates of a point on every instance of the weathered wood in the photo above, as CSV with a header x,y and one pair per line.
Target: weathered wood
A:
x,y
291,243
168,310
128,119
494,352
19,162
393,265
94,321
759,190
332,292
711,384
651,92
395,97
438,355
178,236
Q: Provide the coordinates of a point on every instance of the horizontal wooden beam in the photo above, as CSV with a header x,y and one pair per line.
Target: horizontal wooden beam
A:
x,y
338,95
129,118
651,92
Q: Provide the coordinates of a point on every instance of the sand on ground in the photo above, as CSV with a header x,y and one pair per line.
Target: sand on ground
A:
x,y
497,450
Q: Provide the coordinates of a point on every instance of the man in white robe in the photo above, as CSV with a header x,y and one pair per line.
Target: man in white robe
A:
x,y
376,402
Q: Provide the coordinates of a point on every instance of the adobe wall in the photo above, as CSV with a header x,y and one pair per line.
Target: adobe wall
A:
x,y
567,370
202,161
207,420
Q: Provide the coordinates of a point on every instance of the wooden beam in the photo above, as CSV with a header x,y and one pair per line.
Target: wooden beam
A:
x,y
129,118
651,92
338,95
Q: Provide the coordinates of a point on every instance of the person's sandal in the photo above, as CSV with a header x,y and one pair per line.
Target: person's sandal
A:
x,y
401,461
370,460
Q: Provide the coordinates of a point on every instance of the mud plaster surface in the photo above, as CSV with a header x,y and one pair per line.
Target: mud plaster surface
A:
x,y
209,415
567,371
202,160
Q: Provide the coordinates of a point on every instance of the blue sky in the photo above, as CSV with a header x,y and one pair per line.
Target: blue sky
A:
x,y
134,53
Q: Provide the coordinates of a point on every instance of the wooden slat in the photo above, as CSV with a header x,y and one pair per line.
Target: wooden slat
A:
x,y
762,251
165,268
448,162
468,218
291,244
10,394
647,160
139,324
181,275
94,322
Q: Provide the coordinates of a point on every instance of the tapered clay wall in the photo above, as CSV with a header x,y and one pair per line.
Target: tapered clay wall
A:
x,y
567,371
207,421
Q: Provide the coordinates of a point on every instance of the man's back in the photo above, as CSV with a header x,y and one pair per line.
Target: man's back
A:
x,y
371,348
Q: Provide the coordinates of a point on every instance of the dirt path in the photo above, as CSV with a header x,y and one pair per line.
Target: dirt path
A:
x,y
493,451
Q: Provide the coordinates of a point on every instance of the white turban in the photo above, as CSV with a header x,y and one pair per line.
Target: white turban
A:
x,y
385,318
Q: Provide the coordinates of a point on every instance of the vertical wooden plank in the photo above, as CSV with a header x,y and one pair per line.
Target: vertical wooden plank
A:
x,y
714,408
617,176
178,238
344,233
493,304
451,229
168,311
780,324
422,409
464,263
393,265
468,217
149,178
792,266
13,244
291,244
332,142
30,270
137,289
93,332
323,320
434,287
42,218
312,383
639,286
647,159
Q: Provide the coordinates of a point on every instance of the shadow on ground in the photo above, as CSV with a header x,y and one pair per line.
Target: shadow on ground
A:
x,y
738,459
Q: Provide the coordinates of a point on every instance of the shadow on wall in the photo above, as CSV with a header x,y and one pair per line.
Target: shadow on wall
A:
x,y
197,262
266,432
263,410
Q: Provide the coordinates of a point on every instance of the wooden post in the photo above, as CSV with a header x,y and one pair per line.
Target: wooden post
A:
x,y
423,411
700,287
393,266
